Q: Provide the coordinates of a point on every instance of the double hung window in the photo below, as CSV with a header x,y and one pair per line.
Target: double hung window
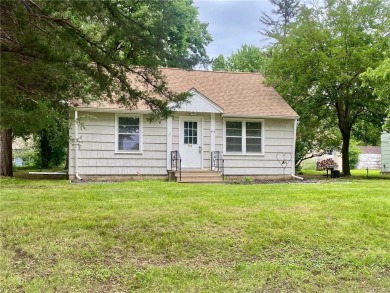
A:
x,y
128,134
243,136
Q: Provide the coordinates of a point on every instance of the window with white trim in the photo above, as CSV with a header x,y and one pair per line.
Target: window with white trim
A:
x,y
253,137
244,136
128,133
233,136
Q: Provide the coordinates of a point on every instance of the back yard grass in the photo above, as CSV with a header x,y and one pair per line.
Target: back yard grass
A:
x,y
153,236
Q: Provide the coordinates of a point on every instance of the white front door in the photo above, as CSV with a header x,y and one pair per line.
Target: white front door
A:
x,y
190,144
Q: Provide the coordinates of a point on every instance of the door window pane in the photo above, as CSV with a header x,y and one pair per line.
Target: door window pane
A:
x,y
190,132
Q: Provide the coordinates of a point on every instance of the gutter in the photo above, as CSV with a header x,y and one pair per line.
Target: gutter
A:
x,y
259,116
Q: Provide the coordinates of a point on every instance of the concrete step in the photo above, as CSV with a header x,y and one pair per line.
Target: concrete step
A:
x,y
199,176
187,175
201,180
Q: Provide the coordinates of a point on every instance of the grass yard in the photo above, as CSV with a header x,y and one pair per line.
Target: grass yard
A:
x,y
356,174
156,236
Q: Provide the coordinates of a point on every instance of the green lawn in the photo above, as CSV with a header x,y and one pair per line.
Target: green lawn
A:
x,y
156,236
356,174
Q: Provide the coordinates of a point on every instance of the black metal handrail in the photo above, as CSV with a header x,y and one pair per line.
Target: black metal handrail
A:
x,y
176,162
217,162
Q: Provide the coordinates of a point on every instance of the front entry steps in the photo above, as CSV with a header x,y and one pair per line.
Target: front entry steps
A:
x,y
196,176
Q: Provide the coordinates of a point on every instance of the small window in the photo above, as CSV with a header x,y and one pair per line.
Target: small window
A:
x,y
128,134
233,136
253,137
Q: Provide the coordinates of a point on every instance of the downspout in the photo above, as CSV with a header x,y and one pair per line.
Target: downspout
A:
x,y
76,149
293,147
296,177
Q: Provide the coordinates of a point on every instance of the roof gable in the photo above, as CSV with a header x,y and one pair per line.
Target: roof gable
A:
x,y
199,103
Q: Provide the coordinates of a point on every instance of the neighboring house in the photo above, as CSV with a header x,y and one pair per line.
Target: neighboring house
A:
x,y
369,157
229,115
385,153
329,154
20,147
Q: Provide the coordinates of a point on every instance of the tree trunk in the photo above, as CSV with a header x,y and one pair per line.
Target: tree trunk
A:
x,y
45,149
6,152
345,152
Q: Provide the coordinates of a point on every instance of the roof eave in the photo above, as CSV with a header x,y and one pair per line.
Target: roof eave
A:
x,y
111,110
295,117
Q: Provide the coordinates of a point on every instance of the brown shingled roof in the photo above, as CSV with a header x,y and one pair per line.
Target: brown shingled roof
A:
x,y
370,149
237,93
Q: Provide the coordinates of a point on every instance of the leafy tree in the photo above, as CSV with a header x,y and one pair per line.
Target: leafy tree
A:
x,y
54,50
314,138
368,133
317,66
378,79
51,147
247,59
219,63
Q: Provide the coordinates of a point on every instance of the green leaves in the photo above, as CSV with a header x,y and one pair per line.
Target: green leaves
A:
x,y
318,66
58,50
378,80
247,59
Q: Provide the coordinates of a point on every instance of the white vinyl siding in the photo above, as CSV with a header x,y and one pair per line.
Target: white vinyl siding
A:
x,y
243,136
98,155
97,147
385,153
277,137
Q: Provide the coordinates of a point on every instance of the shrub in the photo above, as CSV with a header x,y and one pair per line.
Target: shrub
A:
x,y
354,153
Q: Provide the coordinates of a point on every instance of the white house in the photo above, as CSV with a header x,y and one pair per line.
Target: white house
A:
x,y
385,153
369,157
233,124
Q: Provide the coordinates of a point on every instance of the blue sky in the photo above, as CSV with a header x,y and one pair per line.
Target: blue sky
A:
x,y
232,23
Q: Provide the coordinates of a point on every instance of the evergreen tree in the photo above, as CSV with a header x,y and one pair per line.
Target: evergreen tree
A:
x,y
285,12
52,51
